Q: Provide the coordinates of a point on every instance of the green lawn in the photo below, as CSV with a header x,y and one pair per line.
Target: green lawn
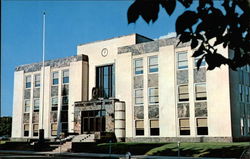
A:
x,y
171,149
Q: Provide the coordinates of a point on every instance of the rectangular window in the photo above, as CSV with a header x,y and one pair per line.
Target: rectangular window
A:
x,y
65,102
203,62
202,128
26,130
182,60
66,76
138,96
138,66
28,82
153,64
26,106
154,128
153,95
35,129
54,129
183,93
37,80
200,92
139,127
184,127
105,81
54,104
55,79
36,105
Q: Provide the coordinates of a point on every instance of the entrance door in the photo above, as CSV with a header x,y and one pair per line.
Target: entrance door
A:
x,y
93,121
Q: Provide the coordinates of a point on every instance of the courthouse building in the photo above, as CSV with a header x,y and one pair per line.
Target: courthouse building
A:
x,y
137,88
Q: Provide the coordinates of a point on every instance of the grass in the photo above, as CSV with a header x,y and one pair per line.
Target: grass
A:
x,y
171,149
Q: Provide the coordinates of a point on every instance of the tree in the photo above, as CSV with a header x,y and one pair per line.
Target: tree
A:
x,y
5,126
229,26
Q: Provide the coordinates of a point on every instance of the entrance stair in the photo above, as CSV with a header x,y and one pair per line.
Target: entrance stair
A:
x,y
84,138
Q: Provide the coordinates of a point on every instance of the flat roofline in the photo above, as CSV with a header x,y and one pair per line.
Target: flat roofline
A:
x,y
136,34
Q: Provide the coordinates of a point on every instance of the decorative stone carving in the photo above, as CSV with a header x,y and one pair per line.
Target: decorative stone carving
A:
x,y
200,109
36,93
183,109
27,94
54,91
53,116
153,111
200,76
26,117
153,80
139,112
35,117
182,76
138,81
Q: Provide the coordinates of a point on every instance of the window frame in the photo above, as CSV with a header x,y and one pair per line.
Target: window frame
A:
x,y
52,130
53,107
138,67
179,93
35,99
135,97
37,81
65,77
27,84
203,63
196,93
178,60
25,111
150,96
197,127
188,128
35,132
139,129
26,132
153,65
150,131
55,79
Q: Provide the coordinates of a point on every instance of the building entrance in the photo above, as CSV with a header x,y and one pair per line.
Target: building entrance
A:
x,y
93,121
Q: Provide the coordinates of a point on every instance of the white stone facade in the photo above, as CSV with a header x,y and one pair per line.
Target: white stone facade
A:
x,y
166,98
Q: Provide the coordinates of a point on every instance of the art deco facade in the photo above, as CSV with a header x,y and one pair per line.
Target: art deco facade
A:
x,y
137,88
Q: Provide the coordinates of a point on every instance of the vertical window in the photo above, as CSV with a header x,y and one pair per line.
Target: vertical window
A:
x,y
28,82
182,60
183,93
35,129
202,128
153,64
154,128
54,104
65,102
37,80
105,81
153,95
184,127
139,127
66,76
200,92
55,80
241,93
54,129
36,105
138,96
26,130
138,66
26,106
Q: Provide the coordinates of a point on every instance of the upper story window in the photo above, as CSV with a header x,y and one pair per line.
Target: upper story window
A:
x,y
183,93
66,76
54,103
36,105
138,96
200,91
153,95
153,64
28,82
55,79
37,80
203,62
138,63
26,106
182,60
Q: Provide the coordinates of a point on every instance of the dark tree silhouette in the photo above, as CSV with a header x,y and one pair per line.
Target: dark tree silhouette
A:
x,y
229,26
5,126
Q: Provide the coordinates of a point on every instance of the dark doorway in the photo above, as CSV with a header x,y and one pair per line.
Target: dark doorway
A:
x,y
93,121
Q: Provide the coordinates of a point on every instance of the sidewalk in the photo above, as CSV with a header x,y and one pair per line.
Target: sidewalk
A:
x,y
97,155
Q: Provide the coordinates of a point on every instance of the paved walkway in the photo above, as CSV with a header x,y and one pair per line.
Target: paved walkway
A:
x,y
95,155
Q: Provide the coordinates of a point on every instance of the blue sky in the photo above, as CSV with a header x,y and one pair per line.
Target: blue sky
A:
x,y
68,24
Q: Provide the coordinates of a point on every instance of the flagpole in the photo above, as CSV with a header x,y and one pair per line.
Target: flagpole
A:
x,y
41,131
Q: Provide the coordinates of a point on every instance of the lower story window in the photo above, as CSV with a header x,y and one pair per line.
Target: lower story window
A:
x,y
54,129
35,129
139,127
26,130
202,128
184,127
154,128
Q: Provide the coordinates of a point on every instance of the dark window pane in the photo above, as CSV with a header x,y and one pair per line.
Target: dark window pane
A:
x,y
65,79
202,130
55,81
139,132
26,133
184,132
64,116
154,131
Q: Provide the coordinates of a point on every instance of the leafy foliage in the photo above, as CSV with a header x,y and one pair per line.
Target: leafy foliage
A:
x,y
229,26
5,126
